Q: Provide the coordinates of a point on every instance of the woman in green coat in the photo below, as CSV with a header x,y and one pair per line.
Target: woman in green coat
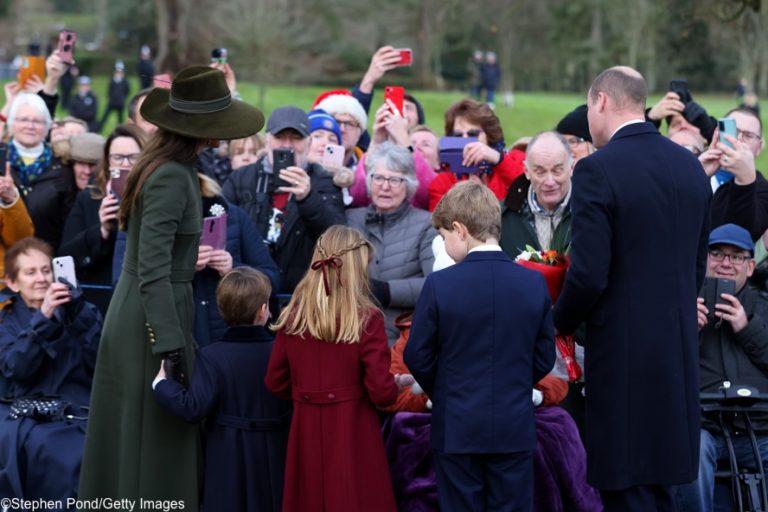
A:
x,y
133,448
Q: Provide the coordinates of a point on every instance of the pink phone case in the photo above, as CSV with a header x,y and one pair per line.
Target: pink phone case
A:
x,y
333,155
215,232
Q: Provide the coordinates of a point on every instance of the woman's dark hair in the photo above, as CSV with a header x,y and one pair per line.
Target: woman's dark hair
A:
x,y
476,113
24,246
99,189
162,147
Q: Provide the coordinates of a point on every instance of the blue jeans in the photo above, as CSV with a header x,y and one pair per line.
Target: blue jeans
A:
x,y
700,494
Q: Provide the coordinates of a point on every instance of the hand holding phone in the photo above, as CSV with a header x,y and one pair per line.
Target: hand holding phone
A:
x,y
282,159
727,127
67,40
64,267
214,232
31,66
680,87
396,95
712,291
406,56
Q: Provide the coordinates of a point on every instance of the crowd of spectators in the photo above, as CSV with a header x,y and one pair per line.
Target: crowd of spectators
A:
x,y
62,185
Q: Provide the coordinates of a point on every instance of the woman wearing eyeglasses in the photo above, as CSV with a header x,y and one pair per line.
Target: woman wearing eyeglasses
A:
x,y
45,184
89,233
497,168
400,233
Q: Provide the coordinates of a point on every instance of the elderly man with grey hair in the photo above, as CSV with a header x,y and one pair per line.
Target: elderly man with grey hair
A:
x,y
536,211
401,234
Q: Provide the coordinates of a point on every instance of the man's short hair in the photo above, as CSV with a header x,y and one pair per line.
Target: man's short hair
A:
x,y
240,295
550,133
625,86
472,204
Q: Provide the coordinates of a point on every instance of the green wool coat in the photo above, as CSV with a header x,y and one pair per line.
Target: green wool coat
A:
x,y
133,448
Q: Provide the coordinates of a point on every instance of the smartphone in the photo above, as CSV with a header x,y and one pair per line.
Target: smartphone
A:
x,y
711,292
215,232
64,266
219,55
396,95
680,86
31,65
451,155
333,155
3,158
727,127
118,178
67,40
282,159
406,56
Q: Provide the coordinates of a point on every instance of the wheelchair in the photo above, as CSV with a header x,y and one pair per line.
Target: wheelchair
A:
x,y
748,486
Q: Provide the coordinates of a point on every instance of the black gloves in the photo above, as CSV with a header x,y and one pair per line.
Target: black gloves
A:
x,y
698,117
380,292
174,365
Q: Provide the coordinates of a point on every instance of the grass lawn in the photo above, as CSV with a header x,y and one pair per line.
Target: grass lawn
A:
x,y
531,112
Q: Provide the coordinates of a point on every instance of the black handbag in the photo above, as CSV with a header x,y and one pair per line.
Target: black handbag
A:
x,y
40,408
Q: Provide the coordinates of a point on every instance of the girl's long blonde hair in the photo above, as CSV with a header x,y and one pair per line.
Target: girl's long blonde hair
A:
x,y
333,300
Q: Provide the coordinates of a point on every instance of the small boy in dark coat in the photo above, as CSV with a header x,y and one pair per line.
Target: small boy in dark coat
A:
x,y
247,427
481,337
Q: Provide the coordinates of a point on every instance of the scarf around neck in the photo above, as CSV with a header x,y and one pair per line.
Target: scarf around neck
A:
x,y
29,173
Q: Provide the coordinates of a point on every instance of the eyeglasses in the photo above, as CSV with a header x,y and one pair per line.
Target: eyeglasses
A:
x,y
29,120
474,132
393,181
575,141
117,158
736,259
747,136
348,124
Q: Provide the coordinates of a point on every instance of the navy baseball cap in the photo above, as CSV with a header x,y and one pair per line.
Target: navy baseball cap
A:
x,y
732,234
283,118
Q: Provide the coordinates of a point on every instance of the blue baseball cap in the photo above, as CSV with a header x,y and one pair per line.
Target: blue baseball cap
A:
x,y
319,119
731,234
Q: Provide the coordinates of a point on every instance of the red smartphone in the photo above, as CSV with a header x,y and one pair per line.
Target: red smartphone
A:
x,y
67,40
406,57
396,95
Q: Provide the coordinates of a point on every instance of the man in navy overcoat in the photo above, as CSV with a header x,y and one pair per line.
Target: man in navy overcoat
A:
x,y
640,225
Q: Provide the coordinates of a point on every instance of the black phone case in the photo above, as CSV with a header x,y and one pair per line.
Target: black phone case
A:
x,y
282,159
711,290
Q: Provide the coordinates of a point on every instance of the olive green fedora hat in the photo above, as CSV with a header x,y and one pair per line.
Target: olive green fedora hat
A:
x,y
199,105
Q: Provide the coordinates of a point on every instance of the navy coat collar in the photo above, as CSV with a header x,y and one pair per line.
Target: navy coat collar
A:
x,y
487,256
635,129
247,334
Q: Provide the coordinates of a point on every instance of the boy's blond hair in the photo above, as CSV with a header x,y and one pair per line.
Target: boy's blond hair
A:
x,y
333,300
240,295
472,204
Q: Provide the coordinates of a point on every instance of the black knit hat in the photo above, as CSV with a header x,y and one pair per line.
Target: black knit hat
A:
x,y
575,123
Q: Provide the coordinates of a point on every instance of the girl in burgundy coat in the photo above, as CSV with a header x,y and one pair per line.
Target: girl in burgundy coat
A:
x,y
332,359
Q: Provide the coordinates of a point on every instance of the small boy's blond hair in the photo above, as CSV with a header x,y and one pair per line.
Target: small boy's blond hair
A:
x,y
472,204
241,294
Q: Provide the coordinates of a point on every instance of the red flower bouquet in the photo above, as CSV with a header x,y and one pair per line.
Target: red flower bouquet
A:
x,y
549,263
553,265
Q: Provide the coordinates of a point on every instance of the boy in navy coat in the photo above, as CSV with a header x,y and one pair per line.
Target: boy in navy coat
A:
x,y
247,434
481,337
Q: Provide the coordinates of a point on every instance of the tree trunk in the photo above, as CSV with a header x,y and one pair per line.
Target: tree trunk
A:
x,y
596,39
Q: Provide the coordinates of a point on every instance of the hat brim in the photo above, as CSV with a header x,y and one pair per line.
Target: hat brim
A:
x,y
237,121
